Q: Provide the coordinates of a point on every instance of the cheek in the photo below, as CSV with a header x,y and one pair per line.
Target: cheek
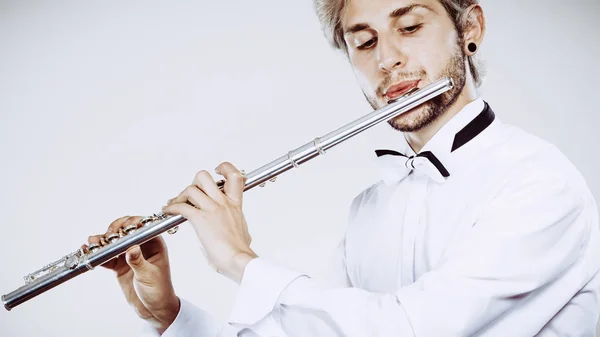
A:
x,y
432,54
427,60
366,73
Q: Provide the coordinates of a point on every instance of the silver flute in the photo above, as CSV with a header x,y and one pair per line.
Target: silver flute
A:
x,y
93,255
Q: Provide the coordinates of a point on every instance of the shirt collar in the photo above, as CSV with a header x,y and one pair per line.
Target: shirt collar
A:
x,y
461,129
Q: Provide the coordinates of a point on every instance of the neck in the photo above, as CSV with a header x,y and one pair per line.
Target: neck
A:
x,y
418,139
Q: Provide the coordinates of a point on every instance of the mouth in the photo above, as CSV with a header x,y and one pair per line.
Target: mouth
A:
x,y
400,89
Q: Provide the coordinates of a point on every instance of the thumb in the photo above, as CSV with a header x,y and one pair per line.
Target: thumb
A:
x,y
135,259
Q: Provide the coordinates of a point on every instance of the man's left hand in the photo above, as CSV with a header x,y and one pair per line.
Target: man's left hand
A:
x,y
218,219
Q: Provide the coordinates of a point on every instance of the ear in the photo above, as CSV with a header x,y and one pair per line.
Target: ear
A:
x,y
474,29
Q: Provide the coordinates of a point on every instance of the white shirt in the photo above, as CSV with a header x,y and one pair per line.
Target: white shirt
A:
x,y
506,245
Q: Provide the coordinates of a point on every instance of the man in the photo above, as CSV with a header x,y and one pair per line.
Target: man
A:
x,y
476,228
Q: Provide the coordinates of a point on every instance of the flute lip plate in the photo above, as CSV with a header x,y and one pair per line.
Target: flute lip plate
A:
x,y
408,93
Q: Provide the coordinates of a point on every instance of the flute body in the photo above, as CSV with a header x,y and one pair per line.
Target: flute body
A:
x,y
82,261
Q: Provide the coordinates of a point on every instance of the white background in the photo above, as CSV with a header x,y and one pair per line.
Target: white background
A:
x,y
109,108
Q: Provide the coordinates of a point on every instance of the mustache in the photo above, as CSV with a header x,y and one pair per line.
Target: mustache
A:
x,y
396,77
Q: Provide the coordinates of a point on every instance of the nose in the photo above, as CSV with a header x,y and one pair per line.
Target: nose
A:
x,y
390,57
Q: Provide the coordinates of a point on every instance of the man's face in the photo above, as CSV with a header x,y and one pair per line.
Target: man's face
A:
x,y
396,45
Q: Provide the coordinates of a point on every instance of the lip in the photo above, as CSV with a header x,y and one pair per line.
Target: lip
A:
x,y
400,89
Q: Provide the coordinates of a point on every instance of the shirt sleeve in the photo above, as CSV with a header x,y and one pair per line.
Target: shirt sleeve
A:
x,y
191,321
257,297
524,258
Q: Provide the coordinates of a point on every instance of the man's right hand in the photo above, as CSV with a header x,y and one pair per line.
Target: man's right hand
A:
x,y
144,276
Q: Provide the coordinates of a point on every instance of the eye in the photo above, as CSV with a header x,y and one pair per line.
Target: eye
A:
x,y
411,29
368,44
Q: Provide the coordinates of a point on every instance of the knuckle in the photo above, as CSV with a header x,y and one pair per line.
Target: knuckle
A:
x,y
201,177
124,224
131,220
118,221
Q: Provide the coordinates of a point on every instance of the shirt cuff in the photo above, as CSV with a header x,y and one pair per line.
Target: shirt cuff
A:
x,y
190,321
259,292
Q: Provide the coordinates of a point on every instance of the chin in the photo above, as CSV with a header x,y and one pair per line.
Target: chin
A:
x,y
413,120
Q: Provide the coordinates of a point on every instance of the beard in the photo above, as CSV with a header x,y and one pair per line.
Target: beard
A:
x,y
423,115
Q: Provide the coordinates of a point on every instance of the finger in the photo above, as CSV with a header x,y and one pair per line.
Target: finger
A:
x,y
117,224
154,246
205,182
95,239
133,220
234,181
196,198
100,239
184,210
109,264
140,267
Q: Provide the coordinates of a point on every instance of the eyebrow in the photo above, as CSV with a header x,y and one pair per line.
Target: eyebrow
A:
x,y
393,15
405,10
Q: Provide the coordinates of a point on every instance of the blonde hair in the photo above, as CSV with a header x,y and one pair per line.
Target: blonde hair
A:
x,y
329,13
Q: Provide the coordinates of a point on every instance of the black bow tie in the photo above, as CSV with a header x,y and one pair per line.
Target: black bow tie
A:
x,y
396,166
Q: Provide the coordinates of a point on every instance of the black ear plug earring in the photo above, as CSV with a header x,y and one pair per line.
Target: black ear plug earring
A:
x,y
472,47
